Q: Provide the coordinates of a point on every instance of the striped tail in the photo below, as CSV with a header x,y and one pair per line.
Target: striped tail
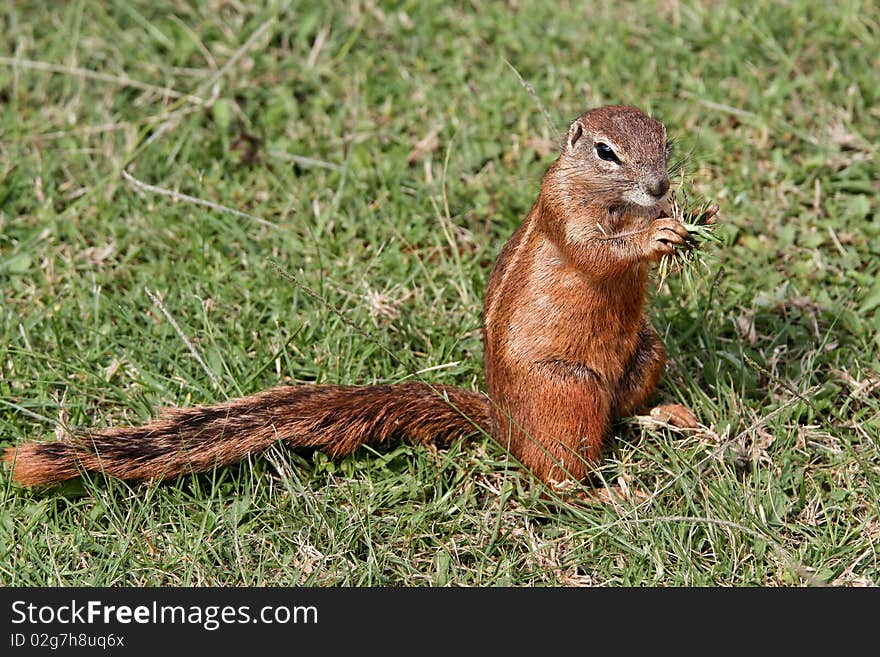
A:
x,y
334,419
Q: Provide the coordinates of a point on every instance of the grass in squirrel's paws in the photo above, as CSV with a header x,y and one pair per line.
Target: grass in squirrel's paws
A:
x,y
700,219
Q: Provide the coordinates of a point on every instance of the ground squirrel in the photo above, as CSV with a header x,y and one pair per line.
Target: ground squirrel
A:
x,y
568,346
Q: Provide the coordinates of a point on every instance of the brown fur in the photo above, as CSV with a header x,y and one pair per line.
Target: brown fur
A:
x,y
567,344
335,419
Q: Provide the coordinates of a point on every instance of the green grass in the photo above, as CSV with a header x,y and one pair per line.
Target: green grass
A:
x,y
775,347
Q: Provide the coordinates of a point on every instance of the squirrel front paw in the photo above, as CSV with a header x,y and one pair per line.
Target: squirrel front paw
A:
x,y
663,235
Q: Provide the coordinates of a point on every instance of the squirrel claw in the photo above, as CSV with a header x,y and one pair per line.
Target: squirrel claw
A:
x,y
709,215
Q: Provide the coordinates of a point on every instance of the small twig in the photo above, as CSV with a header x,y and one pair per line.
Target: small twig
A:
x,y
24,411
529,88
806,398
434,368
304,161
77,132
730,109
238,54
317,46
329,306
122,81
161,306
180,196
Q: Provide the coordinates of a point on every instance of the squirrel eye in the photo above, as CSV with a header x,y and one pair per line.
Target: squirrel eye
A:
x,y
605,152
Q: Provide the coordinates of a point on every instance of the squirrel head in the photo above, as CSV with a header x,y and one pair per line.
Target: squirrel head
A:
x,y
616,159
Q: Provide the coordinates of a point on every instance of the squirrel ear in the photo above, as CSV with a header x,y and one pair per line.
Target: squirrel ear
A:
x,y
575,132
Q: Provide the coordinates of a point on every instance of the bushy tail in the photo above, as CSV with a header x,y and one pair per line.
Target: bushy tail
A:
x,y
334,419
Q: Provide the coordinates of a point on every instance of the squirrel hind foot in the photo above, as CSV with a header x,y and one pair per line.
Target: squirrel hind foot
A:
x,y
675,415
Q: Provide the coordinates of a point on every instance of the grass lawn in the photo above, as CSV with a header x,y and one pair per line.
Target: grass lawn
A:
x,y
199,201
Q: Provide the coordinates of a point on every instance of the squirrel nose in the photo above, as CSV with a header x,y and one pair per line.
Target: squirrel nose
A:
x,y
659,186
